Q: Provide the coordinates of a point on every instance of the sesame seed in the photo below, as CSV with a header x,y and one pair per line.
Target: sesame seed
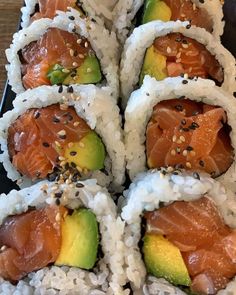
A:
x,y
178,150
193,153
46,144
61,158
86,44
68,45
179,141
185,82
63,107
173,152
71,52
189,148
170,169
81,56
73,153
183,122
182,138
75,64
188,165
188,26
178,55
36,114
71,17
57,202
196,175
185,153
79,185
201,163
178,60
174,138
89,70
60,89
76,124
61,133
70,89
168,49
3,248
57,144
185,76
194,6
81,144
179,107
65,71
79,41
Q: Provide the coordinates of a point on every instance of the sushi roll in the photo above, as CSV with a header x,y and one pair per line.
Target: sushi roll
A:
x,y
182,124
64,50
60,132
172,49
204,14
58,238
180,235
37,9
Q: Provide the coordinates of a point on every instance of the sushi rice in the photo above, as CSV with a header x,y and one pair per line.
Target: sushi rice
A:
x,y
140,108
92,104
102,41
144,36
99,10
125,11
145,193
107,277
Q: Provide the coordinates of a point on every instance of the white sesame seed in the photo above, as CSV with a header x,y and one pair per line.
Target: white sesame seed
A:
x,y
79,41
72,52
81,56
173,152
65,71
188,165
193,153
86,44
61,158
182,138
185,152
76,124
81,144
58,217
168,49
75,64
174,138
61,132
3,248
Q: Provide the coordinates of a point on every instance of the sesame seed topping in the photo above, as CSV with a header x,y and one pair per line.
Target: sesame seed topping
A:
x,y
62,158
79,41
65,71
57,202
71,52
36,114
76,124
174,138
183,122
86,44
188,165
173,152
70,144
63,107
70,89
79,185
71,17
60,89
61,133
182,138
185,153
3,248
201,163
75,64
196,175
57,144
168,49
189,148
73,153
81,144
179,107
185,82
46,144
81,56
193,153
188,26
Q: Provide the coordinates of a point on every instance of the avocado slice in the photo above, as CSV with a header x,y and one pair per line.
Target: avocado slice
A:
x,y
88,72
154,65
88,153
56,74
164,260
79,240
156,10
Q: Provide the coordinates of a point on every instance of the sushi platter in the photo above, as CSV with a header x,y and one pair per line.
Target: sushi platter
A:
x,y
118,149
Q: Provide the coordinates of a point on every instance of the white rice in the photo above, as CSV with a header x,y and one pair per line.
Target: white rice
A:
x,y
107,277
95,106
140,108
146,193
99,10
102,41
125,11
144,36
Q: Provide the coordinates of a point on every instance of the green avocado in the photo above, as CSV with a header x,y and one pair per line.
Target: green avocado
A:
x,y
88,72
154,65
88,153
156,10
164,260
79,240
56,74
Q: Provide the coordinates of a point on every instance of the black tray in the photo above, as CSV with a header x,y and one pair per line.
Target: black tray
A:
x,y
228,40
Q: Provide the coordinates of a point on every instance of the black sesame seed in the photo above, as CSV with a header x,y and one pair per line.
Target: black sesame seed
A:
x,y
183,122
201,1
70,89
24,100
36,114
46,144
57,202
79,185
55,120
195,113
52,177
201,163
179,107
75,53
148,94
77,194
60,89
182,75
62,136
71,17
67,166
194,124
185,82
73,165
189,148
73,153
184,41
196,175
74,30
58,195
182,97
188,26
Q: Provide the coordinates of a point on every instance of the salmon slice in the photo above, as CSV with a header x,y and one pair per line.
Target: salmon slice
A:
x,y
195,217
32,241
186,10
189,135
207,245
186,55
54,47
48,8
38,137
